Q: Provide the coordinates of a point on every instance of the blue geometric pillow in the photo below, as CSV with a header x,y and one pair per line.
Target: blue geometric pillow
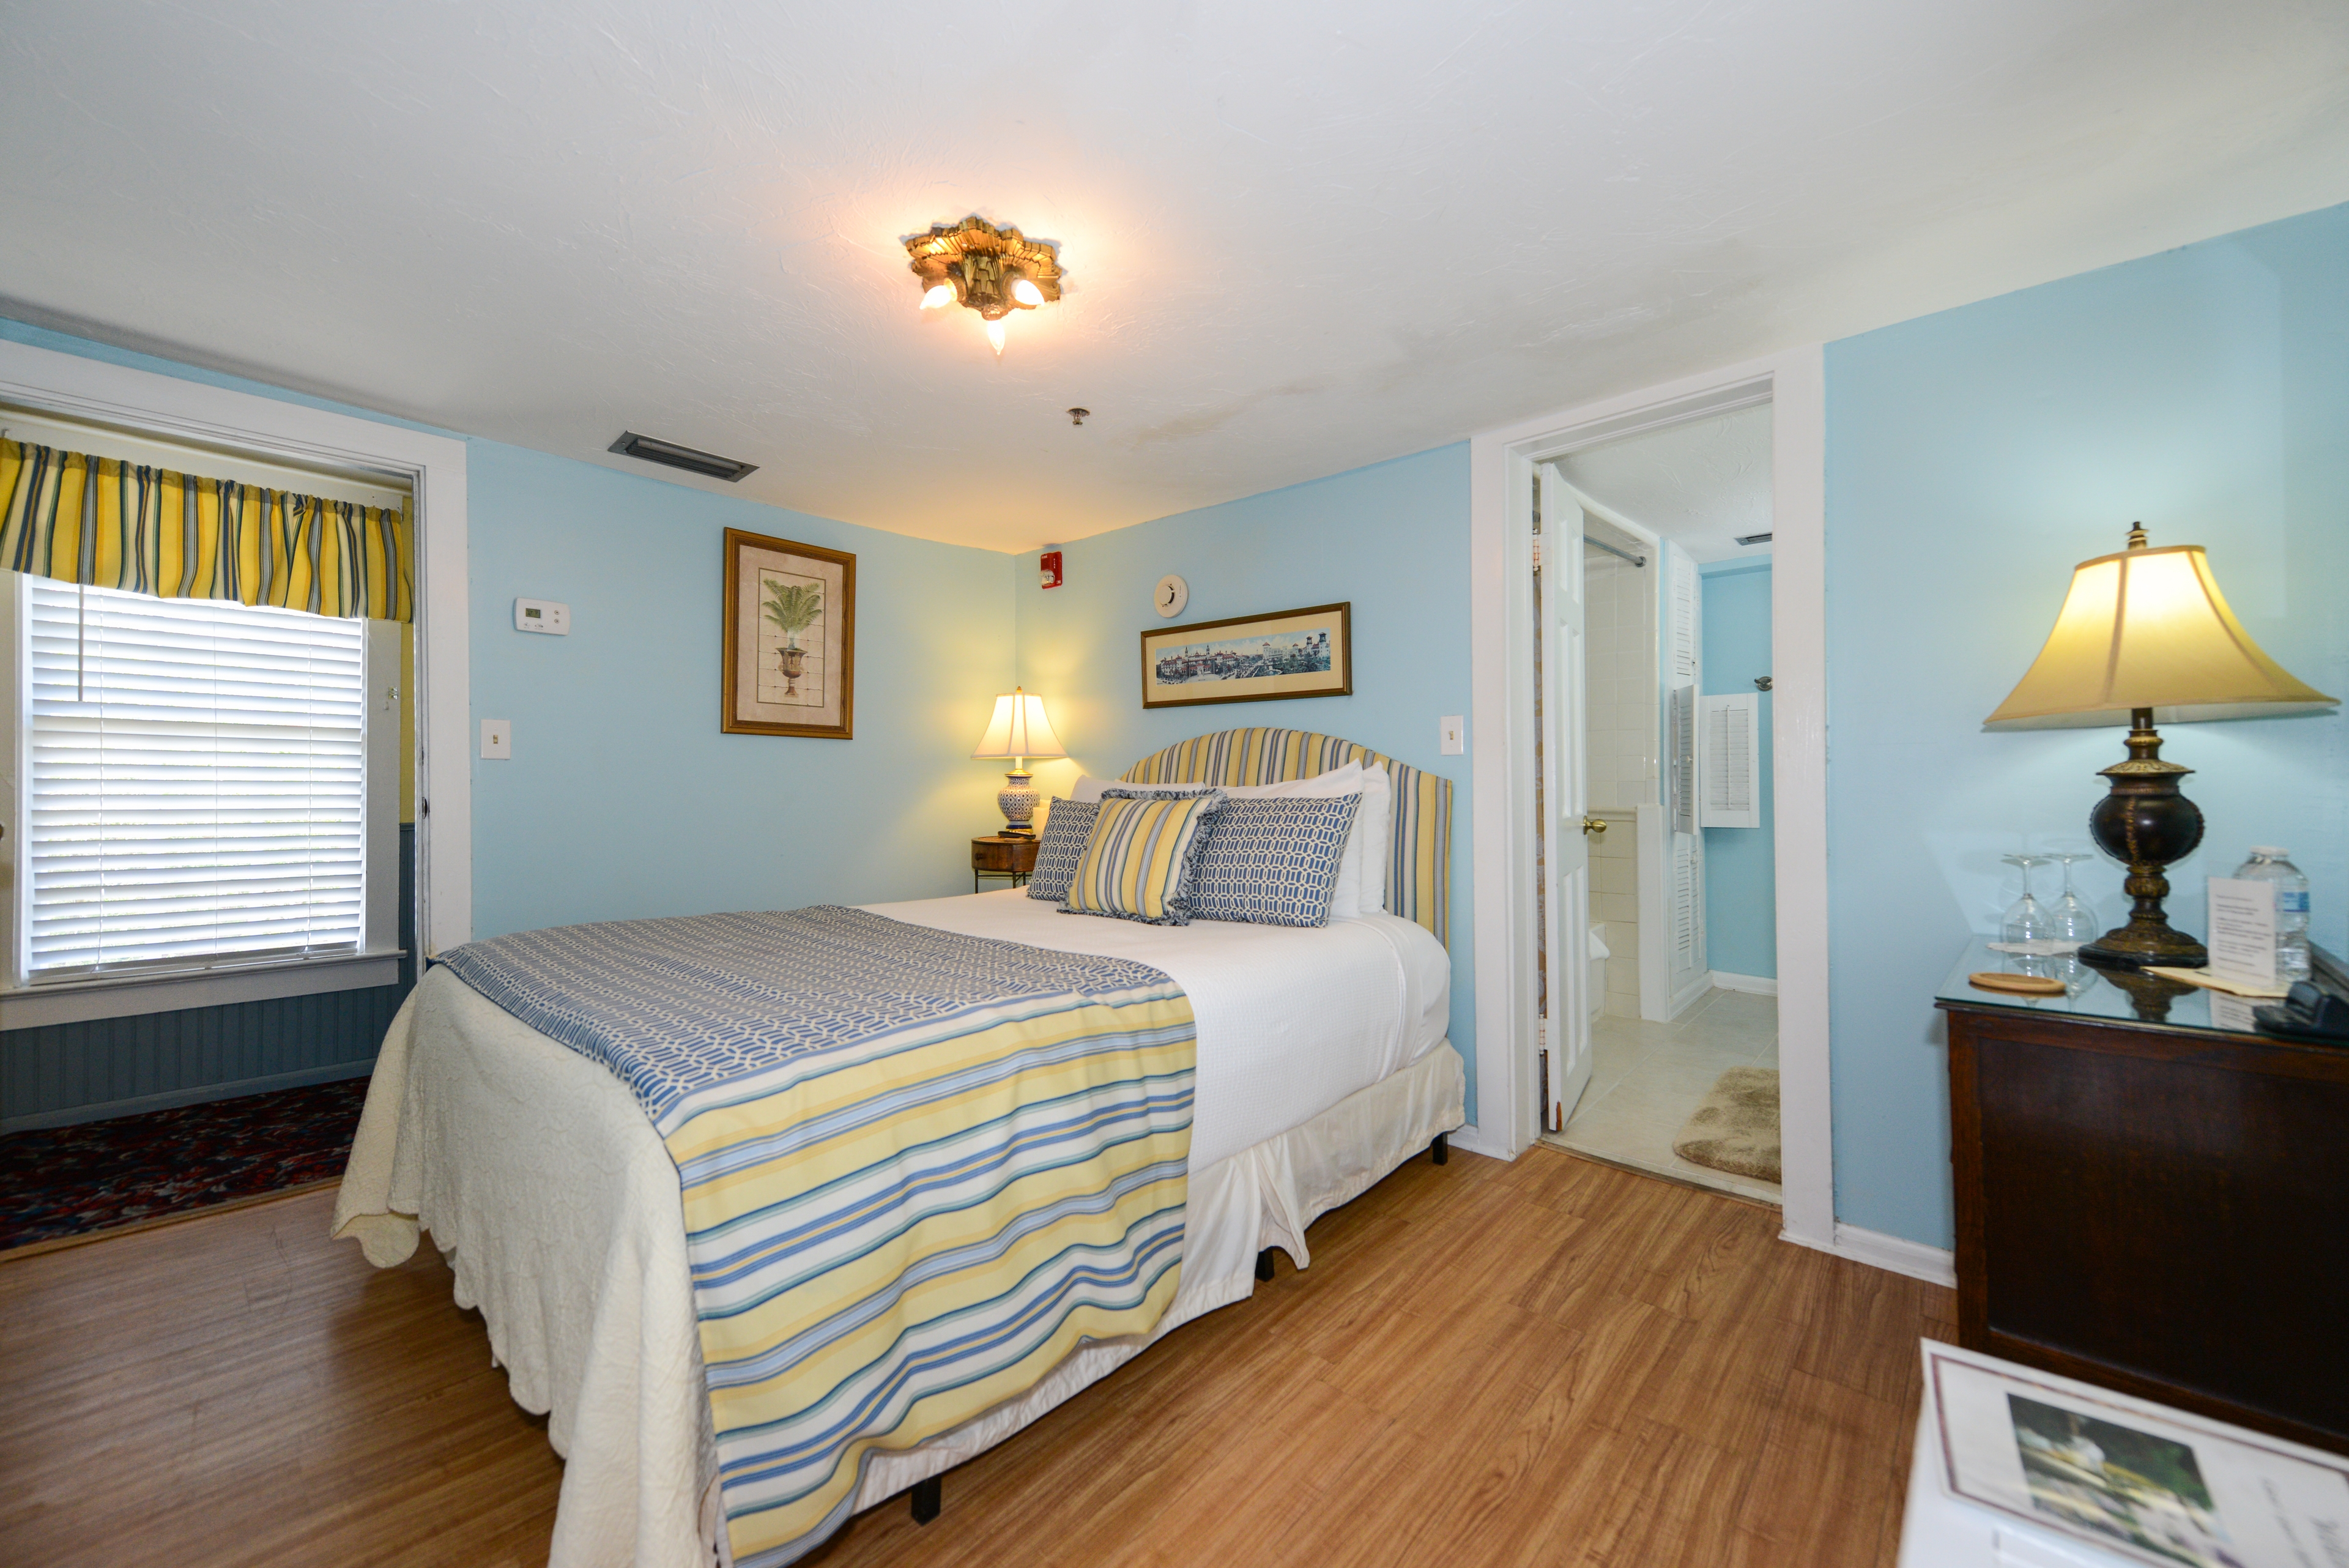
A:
x,y
1060,846
1273,860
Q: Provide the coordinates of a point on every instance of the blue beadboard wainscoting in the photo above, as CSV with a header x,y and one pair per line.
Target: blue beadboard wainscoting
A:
x,y
61,1073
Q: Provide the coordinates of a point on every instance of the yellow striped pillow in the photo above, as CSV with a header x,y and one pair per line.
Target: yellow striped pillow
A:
x,y
1137,860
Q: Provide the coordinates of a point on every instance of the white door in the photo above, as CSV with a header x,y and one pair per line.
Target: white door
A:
x,y
1565,797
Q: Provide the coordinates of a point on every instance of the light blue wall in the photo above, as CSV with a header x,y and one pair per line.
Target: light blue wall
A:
x,y
623,798
1973,457
1390,539
1741,887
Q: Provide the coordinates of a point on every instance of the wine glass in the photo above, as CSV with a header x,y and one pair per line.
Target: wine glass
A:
x,y
2074,918
2026,920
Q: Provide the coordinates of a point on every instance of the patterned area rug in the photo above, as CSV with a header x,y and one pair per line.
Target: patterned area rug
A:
x,y
1736,1128
78,1181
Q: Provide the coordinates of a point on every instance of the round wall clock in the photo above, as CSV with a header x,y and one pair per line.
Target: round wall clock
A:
x,y
1174,593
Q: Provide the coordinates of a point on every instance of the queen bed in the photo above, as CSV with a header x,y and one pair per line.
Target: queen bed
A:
x,y
1320,1065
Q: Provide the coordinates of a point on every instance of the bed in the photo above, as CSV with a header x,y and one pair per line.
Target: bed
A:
x,y
1321,1064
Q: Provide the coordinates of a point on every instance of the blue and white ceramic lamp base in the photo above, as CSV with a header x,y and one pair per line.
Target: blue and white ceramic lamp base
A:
x,y
1017,802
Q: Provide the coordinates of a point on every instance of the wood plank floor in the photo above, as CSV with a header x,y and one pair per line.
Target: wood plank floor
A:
x,y
1551,1361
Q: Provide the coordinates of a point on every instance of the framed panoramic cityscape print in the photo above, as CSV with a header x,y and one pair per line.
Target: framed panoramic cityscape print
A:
x,y
790,665
1251,658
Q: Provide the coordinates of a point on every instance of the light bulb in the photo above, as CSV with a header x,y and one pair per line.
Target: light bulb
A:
x,y
1026,292
995,335
937,294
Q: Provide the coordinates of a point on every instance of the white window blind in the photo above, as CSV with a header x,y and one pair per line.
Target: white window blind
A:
x,y
195,780
1732,765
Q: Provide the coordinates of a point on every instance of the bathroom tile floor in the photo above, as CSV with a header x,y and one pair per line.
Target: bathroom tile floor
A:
x,y
1646,1079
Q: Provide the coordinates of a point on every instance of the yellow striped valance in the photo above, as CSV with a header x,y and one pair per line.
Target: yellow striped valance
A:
x,y
116,525
1419,863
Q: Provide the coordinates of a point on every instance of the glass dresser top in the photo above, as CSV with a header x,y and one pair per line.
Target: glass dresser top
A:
x,y
2121,995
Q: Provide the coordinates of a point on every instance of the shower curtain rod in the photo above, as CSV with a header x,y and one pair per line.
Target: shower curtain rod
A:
x,y
1616,550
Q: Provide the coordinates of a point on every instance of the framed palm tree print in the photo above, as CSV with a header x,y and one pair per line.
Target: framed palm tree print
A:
x,y
790,665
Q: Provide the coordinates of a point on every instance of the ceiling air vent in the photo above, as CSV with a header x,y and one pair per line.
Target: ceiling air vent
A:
x,y
670,454
1741,538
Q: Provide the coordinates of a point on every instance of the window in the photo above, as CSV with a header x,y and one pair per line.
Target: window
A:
x,y
198,784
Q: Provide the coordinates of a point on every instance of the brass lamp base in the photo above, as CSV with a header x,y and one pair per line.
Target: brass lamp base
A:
x,y
2145,824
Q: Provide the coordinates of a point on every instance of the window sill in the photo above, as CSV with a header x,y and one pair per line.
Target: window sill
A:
x,y
125,996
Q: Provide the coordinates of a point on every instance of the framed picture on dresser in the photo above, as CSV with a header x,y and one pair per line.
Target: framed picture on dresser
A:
x,y
790,661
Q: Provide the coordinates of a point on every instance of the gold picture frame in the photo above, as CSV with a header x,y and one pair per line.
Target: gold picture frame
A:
x,y
790,661
1251,658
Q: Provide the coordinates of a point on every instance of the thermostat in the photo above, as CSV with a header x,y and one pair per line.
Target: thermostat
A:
x,y
1172,594
542,615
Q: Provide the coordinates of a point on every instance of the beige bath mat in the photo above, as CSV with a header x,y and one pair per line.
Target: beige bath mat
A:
x,y
1736,1128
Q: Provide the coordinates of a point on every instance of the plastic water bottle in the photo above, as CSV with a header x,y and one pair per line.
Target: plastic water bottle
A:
x,y
2269,864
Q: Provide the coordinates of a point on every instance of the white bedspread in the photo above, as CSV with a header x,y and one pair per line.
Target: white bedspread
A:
x,y
538,1174
1292,1019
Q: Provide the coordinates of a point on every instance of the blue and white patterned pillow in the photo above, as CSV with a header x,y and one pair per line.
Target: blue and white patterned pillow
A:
x,y
1273,861
1060,846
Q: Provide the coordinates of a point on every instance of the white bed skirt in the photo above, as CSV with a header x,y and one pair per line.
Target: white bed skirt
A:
x,y
556,1204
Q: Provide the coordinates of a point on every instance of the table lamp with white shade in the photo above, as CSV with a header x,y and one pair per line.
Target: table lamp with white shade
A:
x,y
2145,635
1019,731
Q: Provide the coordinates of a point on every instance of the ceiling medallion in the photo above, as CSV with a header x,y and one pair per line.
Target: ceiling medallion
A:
x,y
981,267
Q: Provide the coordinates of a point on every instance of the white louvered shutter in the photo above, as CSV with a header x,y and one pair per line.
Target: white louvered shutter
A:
x,y
1732,760
1680,770
1687,895
195,779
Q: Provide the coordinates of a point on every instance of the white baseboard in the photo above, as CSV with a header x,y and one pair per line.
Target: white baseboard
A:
x,y
1470,1139
1934,1265
1759,984
1688,996
74,1115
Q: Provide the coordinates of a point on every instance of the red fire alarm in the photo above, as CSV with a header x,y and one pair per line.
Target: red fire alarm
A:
x,y
1047,568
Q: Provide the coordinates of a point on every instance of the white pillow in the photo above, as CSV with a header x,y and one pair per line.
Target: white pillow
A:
x,y
1373,834
1088,788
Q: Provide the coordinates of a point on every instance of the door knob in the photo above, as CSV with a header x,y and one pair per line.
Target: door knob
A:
x,y
1594,825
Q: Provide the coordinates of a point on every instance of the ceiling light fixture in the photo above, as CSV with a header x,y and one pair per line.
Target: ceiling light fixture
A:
x,y
981,267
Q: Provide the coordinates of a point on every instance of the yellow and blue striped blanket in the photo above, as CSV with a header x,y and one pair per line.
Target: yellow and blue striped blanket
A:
x,y
917,1169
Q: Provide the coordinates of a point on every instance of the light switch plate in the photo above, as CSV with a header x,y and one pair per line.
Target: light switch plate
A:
x,y
542,615
1452,731
497,740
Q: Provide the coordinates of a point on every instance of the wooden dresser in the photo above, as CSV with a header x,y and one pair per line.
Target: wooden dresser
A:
x,y
2153,1197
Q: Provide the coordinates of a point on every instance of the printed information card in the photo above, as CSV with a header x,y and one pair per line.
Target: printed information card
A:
x,y
2242,931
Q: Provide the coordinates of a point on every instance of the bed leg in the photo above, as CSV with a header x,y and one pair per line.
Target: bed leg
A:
x,y
1441,1150
1264,1265
929,1496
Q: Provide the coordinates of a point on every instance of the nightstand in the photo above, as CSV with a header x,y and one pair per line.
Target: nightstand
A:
x,y
1001,856
2148,1196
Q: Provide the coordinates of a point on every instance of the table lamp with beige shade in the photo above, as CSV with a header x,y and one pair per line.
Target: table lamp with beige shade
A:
x,y
1019,731
2145,637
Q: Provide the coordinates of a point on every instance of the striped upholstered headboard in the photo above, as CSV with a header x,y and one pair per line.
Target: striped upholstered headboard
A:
x,y
1419,868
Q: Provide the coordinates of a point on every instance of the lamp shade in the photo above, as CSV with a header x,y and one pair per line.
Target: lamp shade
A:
x,y
2149,628
1020,730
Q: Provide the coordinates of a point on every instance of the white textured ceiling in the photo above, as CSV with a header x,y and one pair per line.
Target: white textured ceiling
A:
x,y
1704,484
1298,237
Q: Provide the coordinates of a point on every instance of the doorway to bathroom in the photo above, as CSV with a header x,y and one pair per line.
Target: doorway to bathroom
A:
x,y
1653,649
